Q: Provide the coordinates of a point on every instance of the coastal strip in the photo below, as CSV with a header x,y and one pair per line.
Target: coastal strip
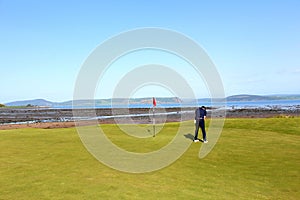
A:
x,y
58,118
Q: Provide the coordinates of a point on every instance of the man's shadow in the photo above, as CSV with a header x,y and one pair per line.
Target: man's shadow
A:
x,y
189,136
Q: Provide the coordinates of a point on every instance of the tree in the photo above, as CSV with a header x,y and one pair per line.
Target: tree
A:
x,y
2,105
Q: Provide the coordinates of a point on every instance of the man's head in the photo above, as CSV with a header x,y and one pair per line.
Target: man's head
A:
x,y
203,107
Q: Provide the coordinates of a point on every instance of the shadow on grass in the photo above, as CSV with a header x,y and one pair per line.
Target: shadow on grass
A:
x,y
189,136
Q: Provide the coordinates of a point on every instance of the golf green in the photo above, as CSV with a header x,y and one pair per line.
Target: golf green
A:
x,y
253,159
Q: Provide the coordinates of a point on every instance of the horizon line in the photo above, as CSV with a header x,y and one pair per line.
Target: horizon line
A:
x,y
265,95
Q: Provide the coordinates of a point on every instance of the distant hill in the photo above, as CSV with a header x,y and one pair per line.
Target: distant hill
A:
x,y
147,101
34,102
285,96
247,97
97,102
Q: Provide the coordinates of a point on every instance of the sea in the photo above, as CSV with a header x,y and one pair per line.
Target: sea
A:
x,y
269,104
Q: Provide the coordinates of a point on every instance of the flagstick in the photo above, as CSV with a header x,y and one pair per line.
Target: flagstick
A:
x,y
153,120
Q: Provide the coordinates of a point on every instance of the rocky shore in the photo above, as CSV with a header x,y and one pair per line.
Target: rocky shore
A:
x,y
59,118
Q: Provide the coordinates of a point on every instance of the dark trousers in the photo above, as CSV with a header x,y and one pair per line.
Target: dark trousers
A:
x,y
200,123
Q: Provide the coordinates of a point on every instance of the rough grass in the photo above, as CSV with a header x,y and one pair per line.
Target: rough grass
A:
x,y
253,159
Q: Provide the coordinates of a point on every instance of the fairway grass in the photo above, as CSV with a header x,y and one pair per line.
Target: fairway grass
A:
x,y
253,159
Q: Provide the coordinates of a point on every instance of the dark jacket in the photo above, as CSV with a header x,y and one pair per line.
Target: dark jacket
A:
x,y
200,113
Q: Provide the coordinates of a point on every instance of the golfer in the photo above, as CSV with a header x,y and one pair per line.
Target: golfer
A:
x,y
200,115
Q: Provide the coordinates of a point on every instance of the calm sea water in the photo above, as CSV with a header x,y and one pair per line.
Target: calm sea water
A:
x,y
285,104
265,104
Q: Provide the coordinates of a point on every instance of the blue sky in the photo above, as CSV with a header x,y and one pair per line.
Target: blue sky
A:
x,y
255,45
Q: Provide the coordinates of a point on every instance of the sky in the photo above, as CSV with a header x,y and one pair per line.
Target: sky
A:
x,y
254,45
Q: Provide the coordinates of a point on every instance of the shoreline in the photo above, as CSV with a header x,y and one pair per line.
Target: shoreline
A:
x,y
63,118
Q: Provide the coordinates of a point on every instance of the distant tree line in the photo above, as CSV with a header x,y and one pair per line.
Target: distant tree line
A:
x,y
28,105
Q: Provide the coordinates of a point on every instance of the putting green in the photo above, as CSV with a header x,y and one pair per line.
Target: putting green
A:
x,y
253,159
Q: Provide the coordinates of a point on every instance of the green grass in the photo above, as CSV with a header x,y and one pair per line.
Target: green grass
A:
x,y
253,159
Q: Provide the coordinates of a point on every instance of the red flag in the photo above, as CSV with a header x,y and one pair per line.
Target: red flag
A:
x,y
154,102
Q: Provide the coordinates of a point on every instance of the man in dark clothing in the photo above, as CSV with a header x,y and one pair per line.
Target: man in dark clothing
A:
x,y
200,115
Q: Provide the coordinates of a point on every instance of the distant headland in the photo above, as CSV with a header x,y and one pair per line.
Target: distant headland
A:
x,y
147,100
